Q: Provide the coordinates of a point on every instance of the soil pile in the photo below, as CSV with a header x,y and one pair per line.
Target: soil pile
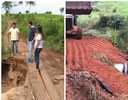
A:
x,y
83,85
97,55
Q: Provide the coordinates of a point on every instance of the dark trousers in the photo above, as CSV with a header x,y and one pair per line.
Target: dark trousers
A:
x,y
14,45
37,53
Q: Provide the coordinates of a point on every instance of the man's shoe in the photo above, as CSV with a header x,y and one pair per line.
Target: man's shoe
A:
x,y
29,61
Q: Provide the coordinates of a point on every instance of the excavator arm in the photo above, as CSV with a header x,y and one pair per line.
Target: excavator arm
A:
x,y
78,7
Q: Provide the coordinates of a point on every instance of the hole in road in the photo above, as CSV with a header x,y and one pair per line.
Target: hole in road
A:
x,y
14,73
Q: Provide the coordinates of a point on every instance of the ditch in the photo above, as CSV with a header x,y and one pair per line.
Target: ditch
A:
x,y
14,73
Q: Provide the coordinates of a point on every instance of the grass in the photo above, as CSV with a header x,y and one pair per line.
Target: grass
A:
x,y
106,8
112,35
53,27
90,23
4,25
102,58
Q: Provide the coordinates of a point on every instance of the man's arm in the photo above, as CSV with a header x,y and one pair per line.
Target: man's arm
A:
x,y
34,31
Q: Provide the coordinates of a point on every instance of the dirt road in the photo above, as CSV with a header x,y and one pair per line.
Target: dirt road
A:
x,y
95,54
51,61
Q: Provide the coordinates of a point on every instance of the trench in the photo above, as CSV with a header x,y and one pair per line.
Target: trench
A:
x,y
14,72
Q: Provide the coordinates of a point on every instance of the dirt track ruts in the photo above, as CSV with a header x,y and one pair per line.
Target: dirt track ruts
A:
x,y
79,55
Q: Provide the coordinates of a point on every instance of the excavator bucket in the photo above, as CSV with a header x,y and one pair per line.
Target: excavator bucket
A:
x,y
78,7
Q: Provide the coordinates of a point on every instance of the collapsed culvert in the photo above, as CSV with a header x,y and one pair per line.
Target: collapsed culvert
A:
x,y
14,72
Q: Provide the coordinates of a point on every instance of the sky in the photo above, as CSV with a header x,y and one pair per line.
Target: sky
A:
x,y
41,6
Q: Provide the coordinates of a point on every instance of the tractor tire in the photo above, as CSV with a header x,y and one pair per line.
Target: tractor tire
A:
x,y
79,33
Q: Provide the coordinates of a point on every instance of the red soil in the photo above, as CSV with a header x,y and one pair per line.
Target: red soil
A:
x,y
79,56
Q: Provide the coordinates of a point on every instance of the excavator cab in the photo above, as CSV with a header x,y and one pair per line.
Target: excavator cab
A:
x,y
73,9
72,26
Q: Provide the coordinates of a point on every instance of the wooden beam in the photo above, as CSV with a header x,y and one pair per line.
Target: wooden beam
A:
x,y
49,85
37,86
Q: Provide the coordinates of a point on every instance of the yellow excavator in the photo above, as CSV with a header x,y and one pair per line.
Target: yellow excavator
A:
x,y
73,9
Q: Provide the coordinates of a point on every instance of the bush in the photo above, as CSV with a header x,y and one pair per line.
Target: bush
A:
x,y
119,38
123,40
112,35
114,21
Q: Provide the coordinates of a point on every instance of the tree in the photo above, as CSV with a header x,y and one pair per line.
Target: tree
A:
x,y
7,5
27,11
30,3
20,2
62,10
48,12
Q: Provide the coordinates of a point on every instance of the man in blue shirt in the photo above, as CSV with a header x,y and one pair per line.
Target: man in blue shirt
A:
x,y
32,31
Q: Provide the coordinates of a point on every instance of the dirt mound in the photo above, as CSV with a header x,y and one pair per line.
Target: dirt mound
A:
x,y
83,85
19,93
97,55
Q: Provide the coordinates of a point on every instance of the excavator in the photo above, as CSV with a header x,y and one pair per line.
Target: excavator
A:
x,y
73,9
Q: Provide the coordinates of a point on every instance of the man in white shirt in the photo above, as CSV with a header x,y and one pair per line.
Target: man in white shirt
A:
x,y
14,37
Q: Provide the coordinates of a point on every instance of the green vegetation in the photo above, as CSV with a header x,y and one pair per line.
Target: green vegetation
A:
x,y
102,58
110,20
112,35
123,40
53,27
4,24
114,21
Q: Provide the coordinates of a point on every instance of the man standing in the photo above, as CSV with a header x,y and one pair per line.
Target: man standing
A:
x,y
15,36
32,31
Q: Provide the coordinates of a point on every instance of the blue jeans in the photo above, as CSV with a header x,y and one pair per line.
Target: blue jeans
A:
x,y
14,44
37,53
30,48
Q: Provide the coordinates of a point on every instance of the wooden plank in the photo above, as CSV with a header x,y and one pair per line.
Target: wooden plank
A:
x,y
49,85
37,86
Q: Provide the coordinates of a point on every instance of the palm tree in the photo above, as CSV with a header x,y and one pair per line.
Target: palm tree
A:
x,y
30,3
7,6
62,10
20,2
